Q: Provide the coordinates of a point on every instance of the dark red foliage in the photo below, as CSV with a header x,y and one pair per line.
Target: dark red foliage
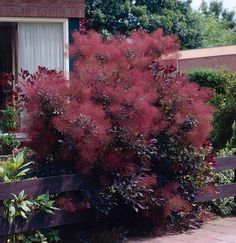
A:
x,y
72,204
44,95
174,201
82,26
123,93
7,81
118,84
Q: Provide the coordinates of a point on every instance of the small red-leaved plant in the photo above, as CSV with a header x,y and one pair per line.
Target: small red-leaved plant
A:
x,y
123,98
7,87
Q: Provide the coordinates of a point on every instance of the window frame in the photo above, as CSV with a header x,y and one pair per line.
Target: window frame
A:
x,y
63,21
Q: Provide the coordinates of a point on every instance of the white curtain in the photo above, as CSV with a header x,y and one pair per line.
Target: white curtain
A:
x,y
40,44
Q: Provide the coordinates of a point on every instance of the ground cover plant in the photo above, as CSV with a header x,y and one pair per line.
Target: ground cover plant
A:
x,y
129,122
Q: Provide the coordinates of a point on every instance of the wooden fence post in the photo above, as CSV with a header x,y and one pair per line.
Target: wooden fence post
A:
x,y
2,238
234,210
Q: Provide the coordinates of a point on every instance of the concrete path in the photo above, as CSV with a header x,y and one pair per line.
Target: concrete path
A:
x,y
218,231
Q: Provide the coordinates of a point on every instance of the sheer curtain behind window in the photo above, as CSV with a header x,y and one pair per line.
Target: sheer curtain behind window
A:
x,y
40,44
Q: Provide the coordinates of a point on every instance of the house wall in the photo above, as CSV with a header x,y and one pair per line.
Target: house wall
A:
x,y
228,61
43,8
215,57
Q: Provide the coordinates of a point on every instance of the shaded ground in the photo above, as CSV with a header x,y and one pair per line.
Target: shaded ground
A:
x,y
218,231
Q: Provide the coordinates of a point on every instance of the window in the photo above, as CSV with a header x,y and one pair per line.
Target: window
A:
x,y
7,36
40,44
26,43
29,42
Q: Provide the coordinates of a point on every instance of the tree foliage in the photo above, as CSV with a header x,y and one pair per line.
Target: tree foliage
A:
x,y
194,28
174,16
216,8
216,19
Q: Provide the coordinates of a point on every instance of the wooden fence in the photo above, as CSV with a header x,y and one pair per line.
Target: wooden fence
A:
x,y
69,183
34,187
221,191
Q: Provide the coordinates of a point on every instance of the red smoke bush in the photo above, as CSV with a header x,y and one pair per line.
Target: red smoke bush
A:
x,y
118,83
123,93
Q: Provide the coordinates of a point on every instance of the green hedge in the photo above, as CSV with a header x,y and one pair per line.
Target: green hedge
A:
x,y
223,83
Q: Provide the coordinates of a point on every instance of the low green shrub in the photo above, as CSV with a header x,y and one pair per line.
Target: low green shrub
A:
x,y
9,119
231,144
8,142
14,168
212,78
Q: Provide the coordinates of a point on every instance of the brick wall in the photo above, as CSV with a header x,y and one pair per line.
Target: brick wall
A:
x,y
42,8
227,61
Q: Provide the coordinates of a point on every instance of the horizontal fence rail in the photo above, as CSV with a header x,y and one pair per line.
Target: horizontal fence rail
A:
x,y
225,163
42,220
37,186
220,191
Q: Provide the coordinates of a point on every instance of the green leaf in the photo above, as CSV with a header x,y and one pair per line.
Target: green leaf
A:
x,y
12,211
15,197
6,179
10,220
21,237
23,214
40,197
19,159
22,173
25,165
22,194
2,171
46,196
49,211
25,207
